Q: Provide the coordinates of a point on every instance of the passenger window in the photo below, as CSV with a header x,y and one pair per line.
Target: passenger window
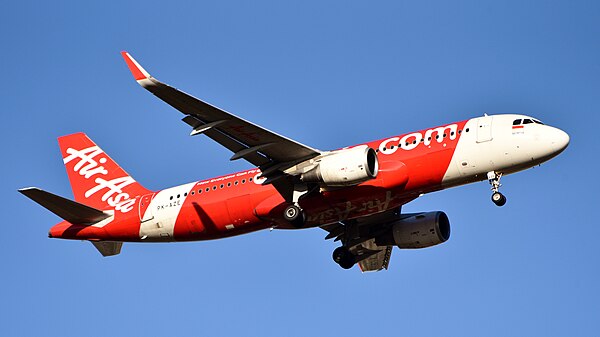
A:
x,y
250,179
243,181
222,185
178,195
517,122
207,189
193,192
235,182
199,191
228,184
527,121
215,187
171,198
185,194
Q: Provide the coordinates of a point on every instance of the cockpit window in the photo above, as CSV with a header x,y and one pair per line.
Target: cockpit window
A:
x,y
517,122
537,122
527,121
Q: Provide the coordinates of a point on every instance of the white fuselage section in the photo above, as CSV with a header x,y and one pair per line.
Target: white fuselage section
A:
x,y
493,143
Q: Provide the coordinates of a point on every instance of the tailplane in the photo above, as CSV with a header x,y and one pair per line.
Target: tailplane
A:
x,y
73,212
96,179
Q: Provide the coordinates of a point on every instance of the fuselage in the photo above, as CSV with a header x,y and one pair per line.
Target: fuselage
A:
x,y
409,165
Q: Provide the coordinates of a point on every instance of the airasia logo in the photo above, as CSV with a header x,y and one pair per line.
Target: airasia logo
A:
x,y
412,140
88,167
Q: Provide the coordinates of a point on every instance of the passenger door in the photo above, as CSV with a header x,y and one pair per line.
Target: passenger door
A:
x,y
484,129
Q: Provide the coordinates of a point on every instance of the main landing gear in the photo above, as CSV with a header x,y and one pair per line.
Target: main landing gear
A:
x,y
294,213
494,178
344,257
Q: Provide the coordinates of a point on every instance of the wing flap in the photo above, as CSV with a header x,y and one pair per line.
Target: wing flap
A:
x,y
244,133
372,257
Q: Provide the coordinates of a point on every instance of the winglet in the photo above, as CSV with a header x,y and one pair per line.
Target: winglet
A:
x,y
136,69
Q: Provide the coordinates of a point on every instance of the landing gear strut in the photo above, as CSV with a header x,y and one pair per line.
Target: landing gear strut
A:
x,y
494,178
294,213
344,257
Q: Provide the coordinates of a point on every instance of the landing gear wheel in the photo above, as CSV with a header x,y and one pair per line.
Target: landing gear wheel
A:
x,y
494,178
343,257
294,215
499,199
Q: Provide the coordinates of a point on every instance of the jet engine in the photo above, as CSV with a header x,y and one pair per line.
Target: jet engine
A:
x,y
418,230
345,167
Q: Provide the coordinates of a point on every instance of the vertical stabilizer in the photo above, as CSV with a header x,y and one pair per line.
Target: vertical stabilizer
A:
x,y
96,179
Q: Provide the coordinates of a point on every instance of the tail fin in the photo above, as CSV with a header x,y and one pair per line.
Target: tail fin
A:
x,y
96,179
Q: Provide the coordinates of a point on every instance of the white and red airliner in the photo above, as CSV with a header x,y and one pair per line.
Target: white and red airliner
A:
x,y
355,193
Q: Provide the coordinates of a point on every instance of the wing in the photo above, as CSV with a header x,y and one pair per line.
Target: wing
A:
x,y
378,259
359,236
261,147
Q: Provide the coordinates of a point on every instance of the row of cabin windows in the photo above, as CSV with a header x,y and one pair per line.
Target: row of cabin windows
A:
x,y
526,121
207,189
423,139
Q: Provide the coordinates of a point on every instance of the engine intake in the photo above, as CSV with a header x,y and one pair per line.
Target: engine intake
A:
x,y
345,167
417,231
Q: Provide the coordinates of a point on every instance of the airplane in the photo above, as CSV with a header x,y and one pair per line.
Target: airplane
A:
x,y
355,193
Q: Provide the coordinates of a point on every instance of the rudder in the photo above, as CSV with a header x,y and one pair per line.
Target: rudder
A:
x,y
96,179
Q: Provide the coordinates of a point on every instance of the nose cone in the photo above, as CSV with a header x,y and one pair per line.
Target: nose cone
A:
x,y
560,140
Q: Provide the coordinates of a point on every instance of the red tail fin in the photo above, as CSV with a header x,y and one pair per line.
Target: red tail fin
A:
x,y
96,179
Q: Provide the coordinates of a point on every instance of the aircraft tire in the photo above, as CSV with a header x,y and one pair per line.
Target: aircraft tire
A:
x,y
294,215
499,199
343,257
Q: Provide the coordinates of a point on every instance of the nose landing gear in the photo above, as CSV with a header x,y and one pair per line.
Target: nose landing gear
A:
x,y
494,178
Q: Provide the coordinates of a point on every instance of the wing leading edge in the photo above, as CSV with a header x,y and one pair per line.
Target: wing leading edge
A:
x,y
259,146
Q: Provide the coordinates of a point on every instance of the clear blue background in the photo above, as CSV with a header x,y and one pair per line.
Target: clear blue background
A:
x,y
327,74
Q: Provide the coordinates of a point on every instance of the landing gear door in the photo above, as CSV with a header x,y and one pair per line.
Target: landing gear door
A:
x,y
145,211
484,129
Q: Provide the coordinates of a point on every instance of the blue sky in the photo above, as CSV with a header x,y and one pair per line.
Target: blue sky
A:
x,y
328,74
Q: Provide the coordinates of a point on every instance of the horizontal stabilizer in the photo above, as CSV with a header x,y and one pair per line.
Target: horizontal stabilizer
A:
x,y
108,248
69,210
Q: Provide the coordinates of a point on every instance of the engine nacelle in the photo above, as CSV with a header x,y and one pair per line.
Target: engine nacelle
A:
x,y
417,231
345,167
